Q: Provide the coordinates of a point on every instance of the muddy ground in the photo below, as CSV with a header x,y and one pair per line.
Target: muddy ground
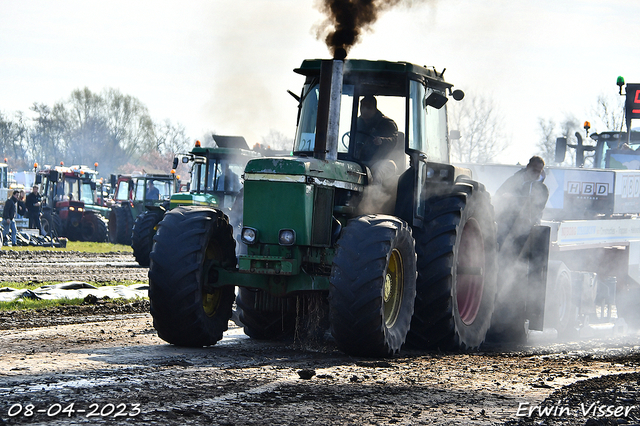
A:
x,y
104,364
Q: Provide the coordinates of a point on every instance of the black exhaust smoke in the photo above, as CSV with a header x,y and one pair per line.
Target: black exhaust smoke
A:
x,y
348,19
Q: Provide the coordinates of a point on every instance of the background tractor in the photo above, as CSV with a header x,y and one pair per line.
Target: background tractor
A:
x,y
384,250
132,197
215,182
69,203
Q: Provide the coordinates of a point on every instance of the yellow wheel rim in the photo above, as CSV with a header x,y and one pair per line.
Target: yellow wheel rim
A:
x,y
393,286
210,302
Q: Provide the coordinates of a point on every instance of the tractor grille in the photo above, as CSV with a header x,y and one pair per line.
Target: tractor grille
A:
x,y
322,211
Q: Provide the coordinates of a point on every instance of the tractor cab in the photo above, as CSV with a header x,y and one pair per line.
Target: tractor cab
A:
x,y
69,203
216,172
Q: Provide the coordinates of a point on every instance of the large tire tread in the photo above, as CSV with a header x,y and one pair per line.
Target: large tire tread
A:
x,y
142,234
177,272
436,323
357,284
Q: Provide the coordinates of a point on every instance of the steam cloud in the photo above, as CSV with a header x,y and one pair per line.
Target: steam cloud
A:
x,y
349,18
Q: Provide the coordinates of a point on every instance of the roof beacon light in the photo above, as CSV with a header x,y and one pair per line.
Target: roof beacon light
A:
x,y
197,144
620,83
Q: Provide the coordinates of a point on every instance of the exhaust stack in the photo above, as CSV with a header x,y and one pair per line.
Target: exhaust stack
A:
x,y
327,121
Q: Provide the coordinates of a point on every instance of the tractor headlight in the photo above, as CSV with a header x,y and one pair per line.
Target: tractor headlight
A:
x,y
287,237
72,209
249,235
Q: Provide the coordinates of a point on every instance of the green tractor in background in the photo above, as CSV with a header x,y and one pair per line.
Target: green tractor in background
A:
x,y
394,247
215,182
134,195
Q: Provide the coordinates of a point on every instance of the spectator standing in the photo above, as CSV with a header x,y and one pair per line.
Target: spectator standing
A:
x,y
33,202
22,208
9,216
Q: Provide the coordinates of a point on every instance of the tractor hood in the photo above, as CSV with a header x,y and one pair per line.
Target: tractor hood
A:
x,y
340,174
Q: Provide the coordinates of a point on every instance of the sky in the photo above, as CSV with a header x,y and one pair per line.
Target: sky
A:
x,y
225,66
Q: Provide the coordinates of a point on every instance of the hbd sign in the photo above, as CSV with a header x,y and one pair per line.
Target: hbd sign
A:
x,y
588,188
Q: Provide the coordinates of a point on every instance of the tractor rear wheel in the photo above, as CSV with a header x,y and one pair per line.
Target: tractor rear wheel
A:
x,y
560,310
93,228
276,320
456,284
372,289
186,309
142,234
120,225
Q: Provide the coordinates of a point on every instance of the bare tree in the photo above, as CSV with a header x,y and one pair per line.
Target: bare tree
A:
x,y
14,141
170,139
481,130
609,110
276,140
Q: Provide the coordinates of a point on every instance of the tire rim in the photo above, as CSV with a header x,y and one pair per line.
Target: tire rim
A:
x,y
210,302
392,291
470,272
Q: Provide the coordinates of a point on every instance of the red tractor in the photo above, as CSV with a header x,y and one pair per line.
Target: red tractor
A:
x,y
69,204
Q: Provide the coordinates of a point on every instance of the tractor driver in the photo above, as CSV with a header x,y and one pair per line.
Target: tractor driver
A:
x,y
377,133
152,192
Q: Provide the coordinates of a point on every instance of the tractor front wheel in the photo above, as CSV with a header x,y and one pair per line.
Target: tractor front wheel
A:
x,y
51,224
187,309
372,291
144,229
93,228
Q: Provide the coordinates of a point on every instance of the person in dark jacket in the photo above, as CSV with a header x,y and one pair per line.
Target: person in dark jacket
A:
x,y
22,208
9,216
33,202
377,133
520,201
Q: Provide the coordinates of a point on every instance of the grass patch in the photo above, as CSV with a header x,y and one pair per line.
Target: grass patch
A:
x,y
33,304
81,246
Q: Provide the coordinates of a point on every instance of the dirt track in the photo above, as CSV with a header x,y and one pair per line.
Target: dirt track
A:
x,y
108,361
60,266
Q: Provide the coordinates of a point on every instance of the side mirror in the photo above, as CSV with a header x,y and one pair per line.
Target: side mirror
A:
x,y
38,179
435,100
114,180
184,160
561,149
53,176
458,95
92,185
175,163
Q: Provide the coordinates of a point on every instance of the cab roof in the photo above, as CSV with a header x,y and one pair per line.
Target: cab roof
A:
x,y
311,67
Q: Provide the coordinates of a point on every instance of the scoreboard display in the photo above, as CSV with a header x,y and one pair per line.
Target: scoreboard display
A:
x,y
632,104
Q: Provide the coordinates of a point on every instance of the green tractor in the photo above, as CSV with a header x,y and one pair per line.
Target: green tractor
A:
x,y
367,228
70,205
215,182
134,195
